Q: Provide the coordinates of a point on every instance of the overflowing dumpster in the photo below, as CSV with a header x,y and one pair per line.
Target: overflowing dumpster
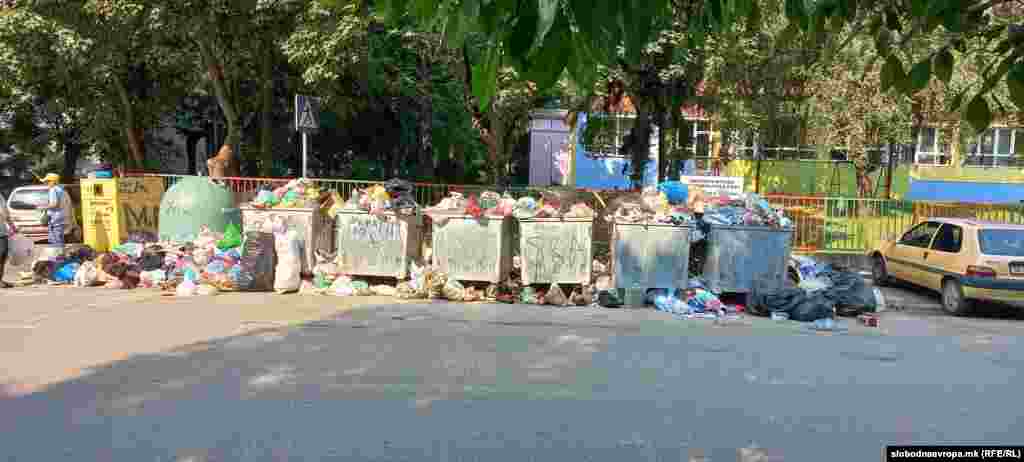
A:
x,y
471,248
746,259
313,227
556,250
650,255
377,244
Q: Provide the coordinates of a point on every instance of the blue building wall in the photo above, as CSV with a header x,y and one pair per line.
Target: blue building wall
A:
x,y
963,191
608,173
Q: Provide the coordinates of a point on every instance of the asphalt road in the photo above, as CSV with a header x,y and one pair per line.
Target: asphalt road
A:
x,y
457,382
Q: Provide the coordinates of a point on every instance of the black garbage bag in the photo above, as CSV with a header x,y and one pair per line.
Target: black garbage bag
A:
x,y
797,303
401,192
850,292
608,299
812,308
152,259
397,187
85,253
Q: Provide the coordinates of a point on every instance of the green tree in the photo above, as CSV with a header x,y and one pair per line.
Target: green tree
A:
x,y
547,37
221,33
127,53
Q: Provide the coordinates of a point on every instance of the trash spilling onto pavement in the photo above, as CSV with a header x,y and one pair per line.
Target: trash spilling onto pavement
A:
x,y
823,292
294,247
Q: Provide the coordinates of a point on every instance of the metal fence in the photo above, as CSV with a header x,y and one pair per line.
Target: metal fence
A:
x,y
822,224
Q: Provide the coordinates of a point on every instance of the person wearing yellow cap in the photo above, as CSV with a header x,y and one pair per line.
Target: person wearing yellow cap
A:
x,y
57,209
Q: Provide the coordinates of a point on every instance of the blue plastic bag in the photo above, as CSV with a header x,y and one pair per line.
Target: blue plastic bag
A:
x,y
66,273
675,191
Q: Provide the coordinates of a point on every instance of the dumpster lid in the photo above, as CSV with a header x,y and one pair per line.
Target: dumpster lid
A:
x,y
557,220
649,224
753,228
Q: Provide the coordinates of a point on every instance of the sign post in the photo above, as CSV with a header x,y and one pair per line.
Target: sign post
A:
x,y
307,120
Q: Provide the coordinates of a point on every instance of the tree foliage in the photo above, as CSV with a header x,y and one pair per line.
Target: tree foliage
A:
x,y
545,38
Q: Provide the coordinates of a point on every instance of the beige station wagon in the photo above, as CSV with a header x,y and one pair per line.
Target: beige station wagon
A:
x,y
26,204
963,259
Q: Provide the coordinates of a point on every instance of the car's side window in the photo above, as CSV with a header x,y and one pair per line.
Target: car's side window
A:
x,y
920,235
950,239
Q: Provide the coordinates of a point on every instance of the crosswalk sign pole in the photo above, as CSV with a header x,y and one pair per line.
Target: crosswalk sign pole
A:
x,y
305,153
307,120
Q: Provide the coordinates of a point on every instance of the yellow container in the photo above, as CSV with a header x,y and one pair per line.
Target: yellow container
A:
x,y
114,207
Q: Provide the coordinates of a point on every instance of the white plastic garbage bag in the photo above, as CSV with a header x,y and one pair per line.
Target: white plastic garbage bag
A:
x,y
19,250
288,273
207,290
87,275
186,289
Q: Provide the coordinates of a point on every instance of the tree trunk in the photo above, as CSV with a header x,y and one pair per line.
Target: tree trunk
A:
x,y
664,162
639,145
190,151
267,112
72,151
495,140
425,122
134,135
225,163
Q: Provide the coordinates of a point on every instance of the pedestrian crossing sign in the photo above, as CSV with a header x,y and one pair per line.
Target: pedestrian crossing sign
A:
x,y
307,114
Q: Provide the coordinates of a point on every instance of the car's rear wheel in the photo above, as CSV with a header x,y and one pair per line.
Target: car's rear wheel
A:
x,y
953,300
879,272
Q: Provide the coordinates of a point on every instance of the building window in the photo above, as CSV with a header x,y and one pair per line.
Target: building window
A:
x,y
603,134
994,148
931,149
743,143
699,133
787,142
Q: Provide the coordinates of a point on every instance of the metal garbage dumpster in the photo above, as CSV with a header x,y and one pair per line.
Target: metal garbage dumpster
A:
x,y
745,259
650,255
313,226
472,249
377,244
556,250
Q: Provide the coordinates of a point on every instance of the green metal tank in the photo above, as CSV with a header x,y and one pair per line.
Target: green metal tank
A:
x,y
194,201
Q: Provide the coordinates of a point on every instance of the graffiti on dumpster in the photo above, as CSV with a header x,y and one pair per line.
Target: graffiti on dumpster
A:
x,y
374,231
371,245
467,248
139,218
557,252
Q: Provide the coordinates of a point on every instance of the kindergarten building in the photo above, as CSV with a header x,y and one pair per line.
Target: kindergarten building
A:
x,y
943,161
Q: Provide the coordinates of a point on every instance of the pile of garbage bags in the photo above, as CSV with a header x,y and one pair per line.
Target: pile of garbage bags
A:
x,y
694,302
298,193
205,266
395,195
749,209
666,203
551,204
489,203
822,293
